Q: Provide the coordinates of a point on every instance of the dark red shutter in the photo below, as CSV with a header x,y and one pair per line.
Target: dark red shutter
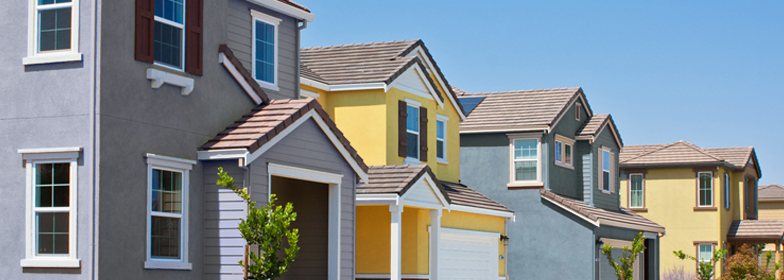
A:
x,y
194,21
402,115
423,134
145,21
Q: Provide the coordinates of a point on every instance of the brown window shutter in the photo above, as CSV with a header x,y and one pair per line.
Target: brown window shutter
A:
x,y
145,21
423,134
402,115
194,21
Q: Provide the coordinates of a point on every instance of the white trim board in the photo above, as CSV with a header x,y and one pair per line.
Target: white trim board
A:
x,y
239,78
285,9
419,51
483,211
408,82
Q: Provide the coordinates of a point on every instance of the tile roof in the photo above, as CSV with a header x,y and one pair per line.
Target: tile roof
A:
x,y
501,110
267,121
770,192
461,194
756,230
624,218
395,178
593,125
294,4
683,153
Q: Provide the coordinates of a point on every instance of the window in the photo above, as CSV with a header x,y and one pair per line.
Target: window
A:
x,y
563,151
167,212
636,191
54,31
727,192
265,50
169,39
705,189
412,131
525,163
577,111
441,138
51,207
605,178
705,251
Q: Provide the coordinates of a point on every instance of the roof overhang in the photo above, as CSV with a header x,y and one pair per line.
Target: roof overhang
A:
x,y
506,129
483,211
608,123
426,59
599,222
285,9
415,196
578,96
247,157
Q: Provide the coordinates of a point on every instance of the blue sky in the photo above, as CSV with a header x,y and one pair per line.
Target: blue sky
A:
x,y
706,72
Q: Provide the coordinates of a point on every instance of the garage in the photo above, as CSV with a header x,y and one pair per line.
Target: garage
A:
x,y
468,254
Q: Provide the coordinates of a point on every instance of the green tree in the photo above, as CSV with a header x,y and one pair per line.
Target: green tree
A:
x,y
625,270
266,227
706,269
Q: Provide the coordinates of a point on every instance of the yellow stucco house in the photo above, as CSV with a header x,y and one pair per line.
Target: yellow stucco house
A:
x,y
705,197
414,218
770,200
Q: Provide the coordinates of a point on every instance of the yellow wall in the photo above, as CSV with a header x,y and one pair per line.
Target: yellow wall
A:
x,y
771,210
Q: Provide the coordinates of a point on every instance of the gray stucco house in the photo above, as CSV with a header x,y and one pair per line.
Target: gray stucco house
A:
x,y
548,157
116,115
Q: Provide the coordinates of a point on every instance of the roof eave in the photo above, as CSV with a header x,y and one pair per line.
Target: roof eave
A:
x,y
285,9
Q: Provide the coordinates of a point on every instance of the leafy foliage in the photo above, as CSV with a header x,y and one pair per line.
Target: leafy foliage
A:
x,y
705,270
266,227
745,265
625,270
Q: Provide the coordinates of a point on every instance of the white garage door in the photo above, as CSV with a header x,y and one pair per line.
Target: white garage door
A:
x,y
468,255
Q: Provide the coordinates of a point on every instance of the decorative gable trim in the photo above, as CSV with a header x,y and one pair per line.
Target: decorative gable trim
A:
x,y
419,49
414,81
243,76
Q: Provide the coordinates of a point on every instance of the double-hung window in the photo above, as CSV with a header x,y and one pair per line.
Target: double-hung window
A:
x,y
441,138
705,252
51,207
727,192
705,189
53,27
636,191
167,212
525,160
169,39
606,162
265,49
563,151
412,131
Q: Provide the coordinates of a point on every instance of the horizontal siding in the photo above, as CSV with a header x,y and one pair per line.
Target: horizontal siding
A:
x,y
587,182
610,201
223,209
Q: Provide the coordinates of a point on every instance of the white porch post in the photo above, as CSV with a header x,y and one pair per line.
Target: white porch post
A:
x,y
395,272
435,242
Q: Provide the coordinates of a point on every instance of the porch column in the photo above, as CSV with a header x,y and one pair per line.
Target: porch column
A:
x,y
395,242
778,259
435,242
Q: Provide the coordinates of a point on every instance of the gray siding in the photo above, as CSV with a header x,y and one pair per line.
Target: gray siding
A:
x,y
563,180
308,147
601,199
44,106
239,31
223,209
587,178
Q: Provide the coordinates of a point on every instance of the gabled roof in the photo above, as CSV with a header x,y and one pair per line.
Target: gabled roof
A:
x,y
591,128
265,124
756,231
242,75
396,179
371,63
683,153
521,110
599,216
461,194
771,192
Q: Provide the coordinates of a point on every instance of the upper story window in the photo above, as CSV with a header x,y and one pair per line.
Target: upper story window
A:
x,y
265,49
636,191
705,189
525,161
53,31
577,111
169,42
441,138
169,33
167,212
51,207
727,192
606,175
412,131
563,152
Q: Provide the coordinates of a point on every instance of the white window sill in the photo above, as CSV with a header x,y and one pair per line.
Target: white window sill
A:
x,y
51,262
52,58
267,85
160,77
525,185
442,161
412,161
172,265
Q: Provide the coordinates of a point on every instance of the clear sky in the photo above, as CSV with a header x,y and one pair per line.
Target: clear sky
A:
x,y
706,72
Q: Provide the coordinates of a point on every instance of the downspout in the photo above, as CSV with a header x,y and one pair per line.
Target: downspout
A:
x,y
299,47
95,111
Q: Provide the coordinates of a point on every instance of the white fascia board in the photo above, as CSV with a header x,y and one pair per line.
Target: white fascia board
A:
x,y
516,128
432,68
482,211
239,78
223,154
595,223
348,87
50,150
304,174
391,199
171,162
472,233
312,83
421,73
285,9
433,187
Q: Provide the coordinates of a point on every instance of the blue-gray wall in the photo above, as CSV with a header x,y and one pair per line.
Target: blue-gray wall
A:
x,y
43,106
562,180
602,199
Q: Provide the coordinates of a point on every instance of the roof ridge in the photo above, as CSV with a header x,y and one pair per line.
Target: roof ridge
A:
x,y
653,151
521,91
701,150
359,44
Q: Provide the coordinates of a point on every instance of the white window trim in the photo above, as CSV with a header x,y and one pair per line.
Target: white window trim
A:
x,y
699,174
258,16
31,157
35,57
564,142
512,179
182,38
416,160
642,183
611,185
444,119
176,165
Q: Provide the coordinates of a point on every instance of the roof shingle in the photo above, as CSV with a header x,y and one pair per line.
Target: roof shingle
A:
x,y
683,153
770,192
624,217
756,230
461,194
593,125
